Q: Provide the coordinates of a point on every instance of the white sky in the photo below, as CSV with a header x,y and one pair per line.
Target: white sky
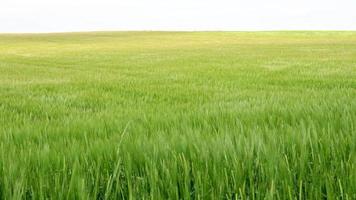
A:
x,y
238,15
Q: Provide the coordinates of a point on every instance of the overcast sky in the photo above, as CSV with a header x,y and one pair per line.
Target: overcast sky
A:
x,y
238,15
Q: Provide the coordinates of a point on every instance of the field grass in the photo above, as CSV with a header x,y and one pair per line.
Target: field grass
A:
x,y
178,115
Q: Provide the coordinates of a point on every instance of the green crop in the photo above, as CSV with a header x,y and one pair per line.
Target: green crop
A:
x,y
178,115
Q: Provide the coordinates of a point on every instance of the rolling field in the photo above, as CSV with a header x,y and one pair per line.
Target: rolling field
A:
x,y
178,115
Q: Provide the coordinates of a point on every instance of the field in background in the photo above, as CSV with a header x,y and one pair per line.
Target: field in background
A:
x,y
189,115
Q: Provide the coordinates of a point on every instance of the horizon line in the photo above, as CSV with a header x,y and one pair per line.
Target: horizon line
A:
x,y
176,30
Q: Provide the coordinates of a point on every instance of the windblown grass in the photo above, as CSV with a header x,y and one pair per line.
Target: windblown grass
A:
x,y
218,115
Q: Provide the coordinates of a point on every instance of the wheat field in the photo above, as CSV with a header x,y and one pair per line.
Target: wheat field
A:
x,y
178,115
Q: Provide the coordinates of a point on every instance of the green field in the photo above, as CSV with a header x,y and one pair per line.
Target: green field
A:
x,y
178,115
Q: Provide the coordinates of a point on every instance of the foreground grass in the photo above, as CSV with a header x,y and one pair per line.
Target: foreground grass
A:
x,y
160,115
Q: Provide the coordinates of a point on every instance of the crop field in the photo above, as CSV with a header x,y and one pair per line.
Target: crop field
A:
x,y
178,115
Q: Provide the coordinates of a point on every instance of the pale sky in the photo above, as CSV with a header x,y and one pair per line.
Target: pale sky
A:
x,y
180,15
